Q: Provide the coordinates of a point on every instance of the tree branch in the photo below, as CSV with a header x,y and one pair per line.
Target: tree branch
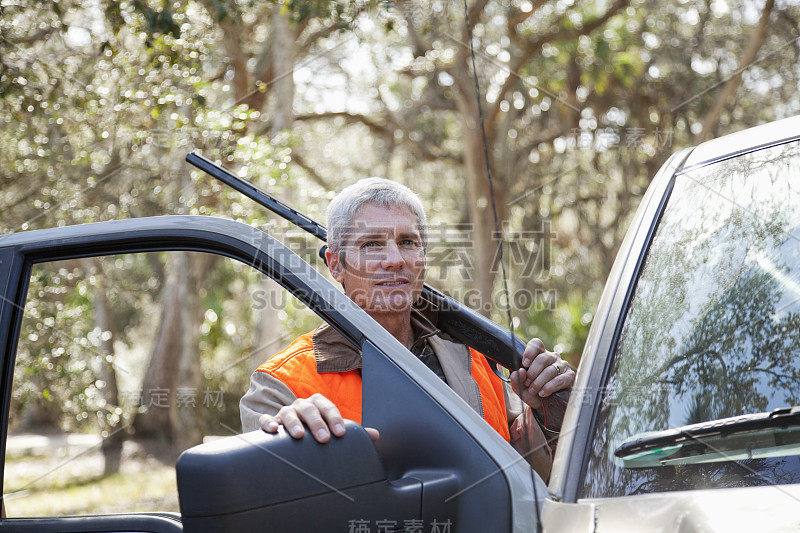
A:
x,y
475,11
521,16
416,40
312,38
351,118
312,173
748,57
534,47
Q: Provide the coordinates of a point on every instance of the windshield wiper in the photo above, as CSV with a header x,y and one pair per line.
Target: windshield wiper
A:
x,y
749,436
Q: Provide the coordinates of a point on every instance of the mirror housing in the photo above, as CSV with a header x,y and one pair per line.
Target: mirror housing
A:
x,y
257,480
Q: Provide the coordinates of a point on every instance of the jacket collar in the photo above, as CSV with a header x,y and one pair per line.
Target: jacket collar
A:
x,y
334,353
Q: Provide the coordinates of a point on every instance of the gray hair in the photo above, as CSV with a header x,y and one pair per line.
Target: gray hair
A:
x,y
373,191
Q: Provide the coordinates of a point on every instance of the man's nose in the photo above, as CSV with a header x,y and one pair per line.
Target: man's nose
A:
x,y
392,257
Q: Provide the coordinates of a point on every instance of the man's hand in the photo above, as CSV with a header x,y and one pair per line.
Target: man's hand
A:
x,y
542,374
317,412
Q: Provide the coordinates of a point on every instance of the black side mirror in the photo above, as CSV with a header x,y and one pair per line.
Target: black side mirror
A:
x,y
257,481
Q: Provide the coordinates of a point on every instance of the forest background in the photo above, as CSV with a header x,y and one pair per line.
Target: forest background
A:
x,y
100,102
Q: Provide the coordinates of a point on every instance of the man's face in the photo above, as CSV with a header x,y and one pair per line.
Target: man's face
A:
x,y
382,260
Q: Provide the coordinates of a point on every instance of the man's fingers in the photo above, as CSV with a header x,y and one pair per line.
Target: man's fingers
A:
x,y
552,380
268,423
565,380
518,380
543,373
532,349
288,416
553,368
330,414
541,370
373,433
317,412
525,392
305,411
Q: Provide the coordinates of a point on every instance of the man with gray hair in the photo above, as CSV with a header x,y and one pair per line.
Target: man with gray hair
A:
x,y
377,237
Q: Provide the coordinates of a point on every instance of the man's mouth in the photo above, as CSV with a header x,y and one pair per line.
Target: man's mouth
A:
x,y
392,283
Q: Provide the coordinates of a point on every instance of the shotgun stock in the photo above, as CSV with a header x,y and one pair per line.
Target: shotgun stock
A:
x,y
449,315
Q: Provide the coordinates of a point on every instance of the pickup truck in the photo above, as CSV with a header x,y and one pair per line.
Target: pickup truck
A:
x,y
684,415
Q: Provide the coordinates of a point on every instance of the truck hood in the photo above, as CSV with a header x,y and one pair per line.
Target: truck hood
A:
x,y
774,508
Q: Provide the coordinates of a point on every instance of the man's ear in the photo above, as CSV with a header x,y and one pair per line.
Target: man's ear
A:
x,y
335,266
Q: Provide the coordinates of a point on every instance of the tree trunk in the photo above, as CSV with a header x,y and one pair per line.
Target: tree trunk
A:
x,y
160,383
190,375
232,37
485,242
269,331
104,322
283,63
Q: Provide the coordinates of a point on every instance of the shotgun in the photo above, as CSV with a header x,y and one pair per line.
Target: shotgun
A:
x,y
449,315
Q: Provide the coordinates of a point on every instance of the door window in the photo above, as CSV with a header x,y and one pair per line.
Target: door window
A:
x,y
124,361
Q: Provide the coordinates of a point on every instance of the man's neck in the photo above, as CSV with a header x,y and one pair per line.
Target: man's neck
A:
x,y
398,324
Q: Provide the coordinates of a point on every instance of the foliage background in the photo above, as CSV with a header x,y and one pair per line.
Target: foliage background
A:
x,y
100,102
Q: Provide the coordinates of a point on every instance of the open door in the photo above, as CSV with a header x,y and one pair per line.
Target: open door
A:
x,y
437,464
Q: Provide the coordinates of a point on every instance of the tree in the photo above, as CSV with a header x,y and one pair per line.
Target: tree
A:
x,y
582,103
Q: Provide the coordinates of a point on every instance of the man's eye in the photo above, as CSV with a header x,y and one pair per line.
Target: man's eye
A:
x,y
369,244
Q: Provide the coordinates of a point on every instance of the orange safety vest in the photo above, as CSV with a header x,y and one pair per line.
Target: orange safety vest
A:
x,y
296,368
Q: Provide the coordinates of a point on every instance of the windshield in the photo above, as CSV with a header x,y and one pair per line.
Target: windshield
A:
x,y
713,328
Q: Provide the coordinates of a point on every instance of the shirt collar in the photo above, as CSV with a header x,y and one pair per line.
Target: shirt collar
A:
x,y
334,353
